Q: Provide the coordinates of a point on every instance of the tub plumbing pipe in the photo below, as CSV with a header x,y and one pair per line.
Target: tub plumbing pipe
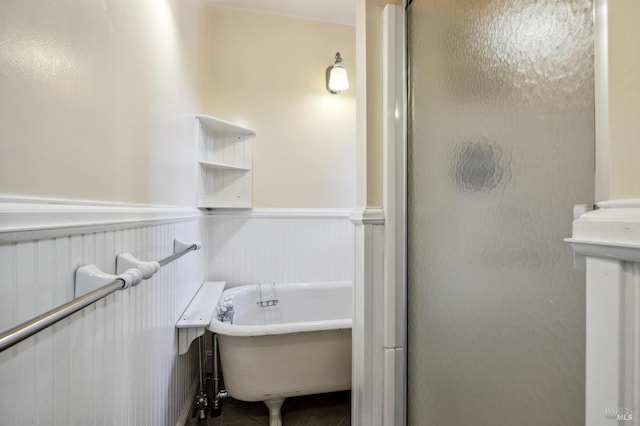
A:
x,y
219,394
202,400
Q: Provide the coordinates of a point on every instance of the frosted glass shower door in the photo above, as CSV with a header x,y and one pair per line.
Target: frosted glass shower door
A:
x,y
501,147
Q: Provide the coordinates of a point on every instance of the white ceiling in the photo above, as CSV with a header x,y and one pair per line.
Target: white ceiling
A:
x,y
340,11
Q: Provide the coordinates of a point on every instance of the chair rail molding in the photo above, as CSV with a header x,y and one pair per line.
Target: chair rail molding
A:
x,y
24,219
367,216
611,232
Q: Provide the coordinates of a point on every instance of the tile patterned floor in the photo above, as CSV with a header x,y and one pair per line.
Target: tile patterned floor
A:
x,y
329,409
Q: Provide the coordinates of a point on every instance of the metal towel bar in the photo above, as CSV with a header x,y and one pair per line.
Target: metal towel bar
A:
x,y
29,328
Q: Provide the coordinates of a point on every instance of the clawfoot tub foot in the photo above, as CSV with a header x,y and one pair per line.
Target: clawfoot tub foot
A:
x,y
274,405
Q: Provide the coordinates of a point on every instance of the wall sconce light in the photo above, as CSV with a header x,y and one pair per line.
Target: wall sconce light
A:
x,y
337,80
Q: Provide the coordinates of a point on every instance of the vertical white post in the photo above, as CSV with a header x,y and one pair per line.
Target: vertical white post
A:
x,y
609,240
394,130
368,352
603,345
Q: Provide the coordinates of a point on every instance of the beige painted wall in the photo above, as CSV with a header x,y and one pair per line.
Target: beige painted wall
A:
x,y
369,142
267,72
624,98
96,99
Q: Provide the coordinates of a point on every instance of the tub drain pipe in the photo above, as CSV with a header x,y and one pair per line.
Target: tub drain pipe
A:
x,y
219,394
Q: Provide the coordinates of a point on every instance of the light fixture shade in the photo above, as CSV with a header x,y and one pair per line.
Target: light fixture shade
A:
x,y
338,80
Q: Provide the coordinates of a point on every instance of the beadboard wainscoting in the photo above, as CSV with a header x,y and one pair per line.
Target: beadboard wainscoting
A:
x,y
282,246
115,362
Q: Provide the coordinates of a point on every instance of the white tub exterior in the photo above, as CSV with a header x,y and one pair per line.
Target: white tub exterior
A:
x,y
301,346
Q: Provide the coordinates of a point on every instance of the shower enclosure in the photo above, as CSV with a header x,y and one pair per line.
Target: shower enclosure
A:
x,y
501,146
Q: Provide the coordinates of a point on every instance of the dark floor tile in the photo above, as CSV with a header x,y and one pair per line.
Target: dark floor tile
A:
x,y
330,409
317,410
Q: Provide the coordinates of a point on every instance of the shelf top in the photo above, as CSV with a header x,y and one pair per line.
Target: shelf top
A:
x,y
201,308
223,166
223,206
214,123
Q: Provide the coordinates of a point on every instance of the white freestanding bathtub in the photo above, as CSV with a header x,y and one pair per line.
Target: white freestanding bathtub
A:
x,y
299,346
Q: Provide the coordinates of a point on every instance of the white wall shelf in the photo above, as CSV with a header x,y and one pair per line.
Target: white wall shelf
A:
x,y
211,164
198,314
225,160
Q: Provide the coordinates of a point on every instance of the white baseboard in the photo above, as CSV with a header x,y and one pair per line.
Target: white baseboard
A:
x,y
188,406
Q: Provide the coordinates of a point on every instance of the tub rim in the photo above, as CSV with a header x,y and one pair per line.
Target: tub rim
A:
x,y
226,329
238,330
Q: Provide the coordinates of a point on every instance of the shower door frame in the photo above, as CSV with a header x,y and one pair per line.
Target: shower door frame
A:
x,y
601,93
394,203
396,128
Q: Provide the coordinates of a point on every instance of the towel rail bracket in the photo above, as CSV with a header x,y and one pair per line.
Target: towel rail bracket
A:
x,y
126,261
90,277
180,246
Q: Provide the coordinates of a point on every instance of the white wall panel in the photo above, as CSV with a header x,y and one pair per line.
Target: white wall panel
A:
x,y
291,247
608,238
113,363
